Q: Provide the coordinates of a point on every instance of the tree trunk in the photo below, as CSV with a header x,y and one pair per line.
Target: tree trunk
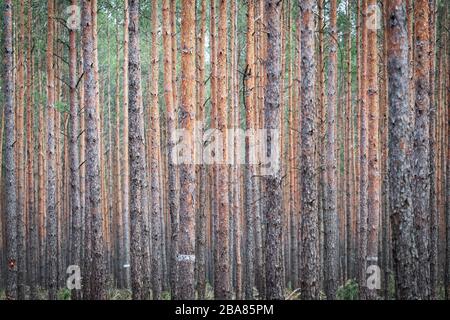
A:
x,y
154,141
400,145
421,150
74,155
272,178
32,213
125,155
20,157
236,169
309,280
201,227
363,145
170,123
250,172
120,259
373,191
331,262
186,255
434,217
10,178
51,161
98,280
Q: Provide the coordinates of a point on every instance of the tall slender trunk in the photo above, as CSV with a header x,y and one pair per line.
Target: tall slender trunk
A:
x,y
51,161
400,145
170,124
201,195
125,156
434,217
20,157
309,280
236,169
136,151
117,179
292,157
74,154
447,195
186,255
331,262
222,267
98,280
272,179
249,103
349,150
363,145
32,213
154,141
10,178
374,187
421,150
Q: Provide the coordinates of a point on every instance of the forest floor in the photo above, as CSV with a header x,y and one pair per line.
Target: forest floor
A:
x,y
347,292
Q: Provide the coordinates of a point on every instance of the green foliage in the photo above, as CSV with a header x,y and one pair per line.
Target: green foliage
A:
x,y
440,292
119,294
391,286
41,294
165,295
64,294
2,295
209,292
349,291
61,106
290,294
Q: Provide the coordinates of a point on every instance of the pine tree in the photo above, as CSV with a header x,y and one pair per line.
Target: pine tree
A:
x,y
272,180
309,280
330,213
250,172
186,255
98,279
421,149
74,154
154,141
51,241
10,178
400,145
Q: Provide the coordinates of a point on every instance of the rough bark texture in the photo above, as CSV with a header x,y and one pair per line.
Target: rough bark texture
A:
x,y
222,267
51,161
32,213
363,145
186,255
421,151
98,277
136,151
374,187
400,146
170,123
309,281
118,181
10,178
249,102
154,141
20,157
201,227
447,195
434,216
125,155
236,168
272,181
331,262
74,156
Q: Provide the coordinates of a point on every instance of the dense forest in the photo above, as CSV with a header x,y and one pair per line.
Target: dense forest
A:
x,y
229,149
